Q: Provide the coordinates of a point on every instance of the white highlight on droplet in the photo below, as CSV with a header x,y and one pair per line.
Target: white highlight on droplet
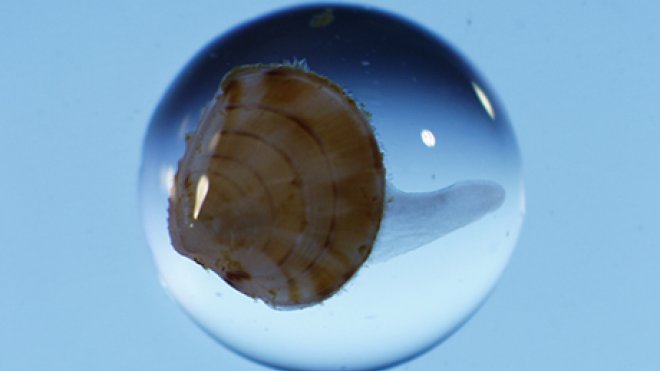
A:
x,y
483,98
200,195
167,179
428,138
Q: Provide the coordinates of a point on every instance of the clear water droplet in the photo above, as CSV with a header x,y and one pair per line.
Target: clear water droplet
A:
x,y
455,196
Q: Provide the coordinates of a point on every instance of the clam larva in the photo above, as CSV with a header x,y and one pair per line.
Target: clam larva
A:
x,y
281,188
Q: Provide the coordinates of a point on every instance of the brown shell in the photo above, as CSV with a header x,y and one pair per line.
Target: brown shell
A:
x,y
280,190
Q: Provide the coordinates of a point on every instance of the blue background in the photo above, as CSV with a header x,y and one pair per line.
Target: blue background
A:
x,y
78,83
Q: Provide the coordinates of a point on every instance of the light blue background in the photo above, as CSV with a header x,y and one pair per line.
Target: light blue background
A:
x,y
78,83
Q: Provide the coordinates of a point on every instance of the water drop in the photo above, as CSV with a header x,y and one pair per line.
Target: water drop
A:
x,y
453,204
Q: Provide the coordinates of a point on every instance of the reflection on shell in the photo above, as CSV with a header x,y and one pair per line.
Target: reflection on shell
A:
x,y
280,190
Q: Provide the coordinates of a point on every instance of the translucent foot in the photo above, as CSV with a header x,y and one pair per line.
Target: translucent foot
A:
x,y
412,220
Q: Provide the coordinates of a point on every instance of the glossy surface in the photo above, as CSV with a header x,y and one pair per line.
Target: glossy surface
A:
x,y
281,189
453,171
